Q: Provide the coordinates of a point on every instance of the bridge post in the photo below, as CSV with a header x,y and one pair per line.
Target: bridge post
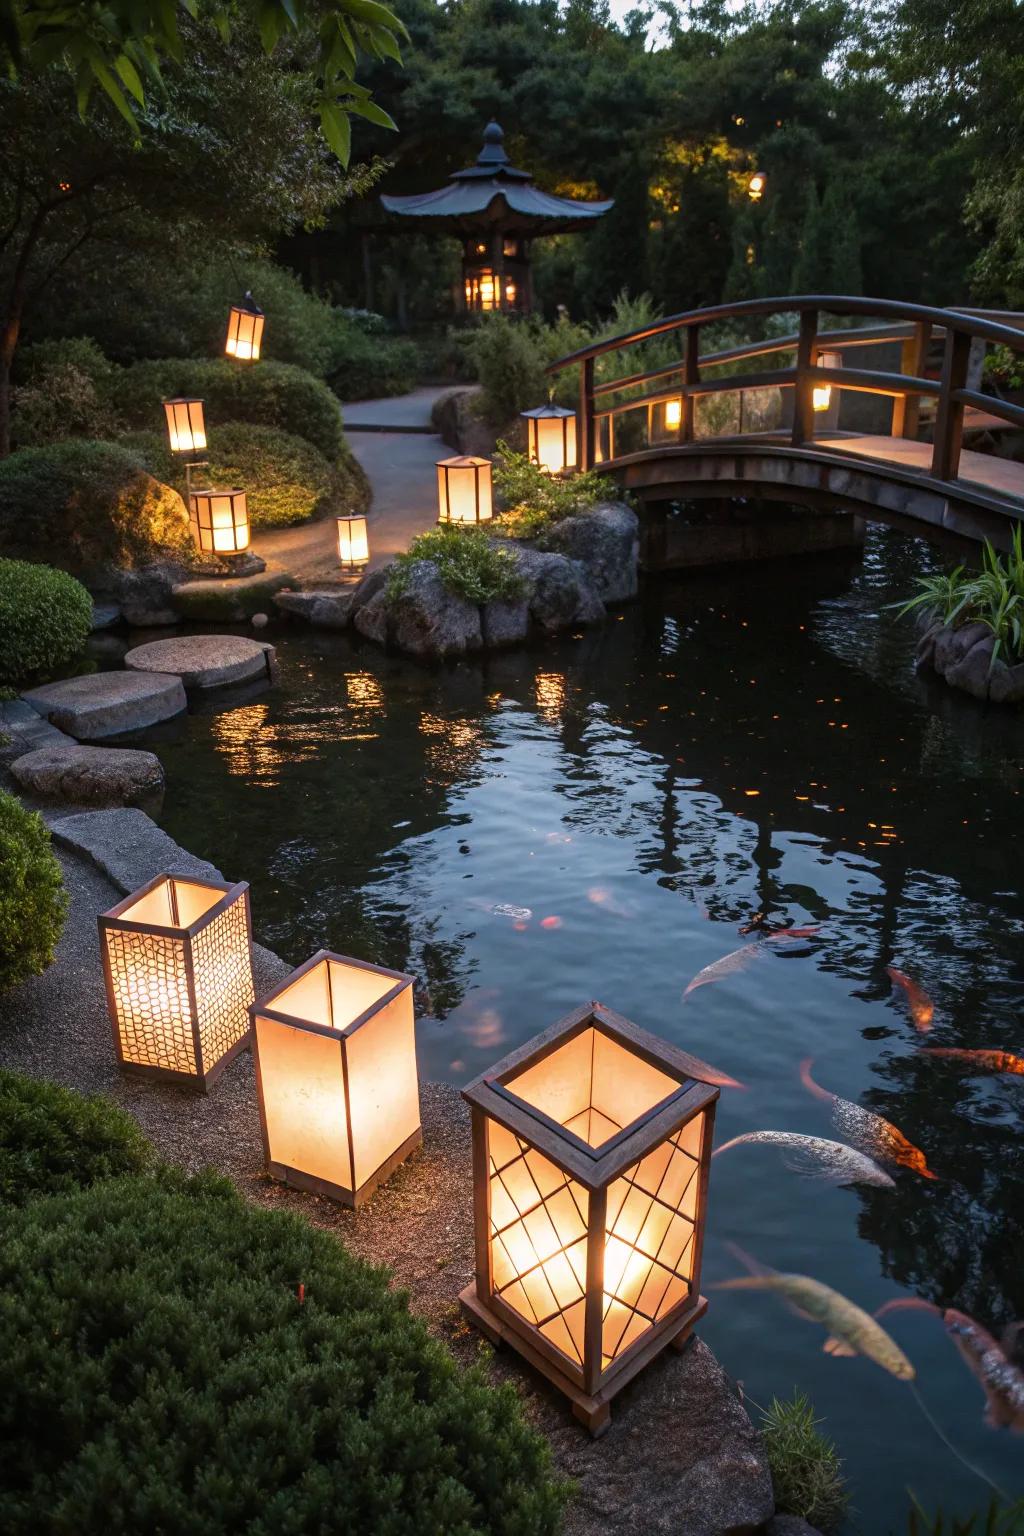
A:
x,y
906,409
691,376
803,388
949,415
588,447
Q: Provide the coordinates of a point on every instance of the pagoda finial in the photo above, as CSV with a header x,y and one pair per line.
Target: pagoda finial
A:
x,y
493,151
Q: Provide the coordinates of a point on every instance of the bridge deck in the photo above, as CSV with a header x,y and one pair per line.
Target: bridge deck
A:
x,y
1003,476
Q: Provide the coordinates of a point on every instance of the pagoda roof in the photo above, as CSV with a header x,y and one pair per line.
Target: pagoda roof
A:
x,y
493,194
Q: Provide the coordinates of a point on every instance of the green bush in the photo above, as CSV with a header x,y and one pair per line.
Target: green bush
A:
x,y
62,391
533,500
53,1141
89,505
368,367
45,619
163,1375
509,359
807,1474
32,897
993,596
470,565
264,394
285,478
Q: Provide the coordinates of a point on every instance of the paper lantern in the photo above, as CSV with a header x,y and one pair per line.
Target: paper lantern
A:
x,y
220,521
664,420
464,490
335,1055
245,330
353,542
821,395
186,430
551,438
756,186
177,960
591,1149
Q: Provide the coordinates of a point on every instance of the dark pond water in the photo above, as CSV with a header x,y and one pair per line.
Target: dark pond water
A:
x,y
739,743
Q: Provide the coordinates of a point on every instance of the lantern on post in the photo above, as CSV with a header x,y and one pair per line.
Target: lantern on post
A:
x,y
821,394
591,1150
353,542
335,1055
186,434
220,521
464,490
245,330
551,438
177,962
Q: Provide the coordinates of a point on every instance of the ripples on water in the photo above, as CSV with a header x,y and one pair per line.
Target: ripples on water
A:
x,y
755,742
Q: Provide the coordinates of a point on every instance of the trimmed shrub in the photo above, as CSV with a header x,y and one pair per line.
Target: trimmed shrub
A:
x,y
368,367
165,1373
62,391
89,506
469,565
45,619
33,901
264,394
53,1140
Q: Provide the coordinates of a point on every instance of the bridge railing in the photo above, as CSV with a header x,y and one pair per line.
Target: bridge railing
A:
x,y
914,326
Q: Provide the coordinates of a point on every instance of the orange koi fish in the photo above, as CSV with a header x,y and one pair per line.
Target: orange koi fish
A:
x,y
983,1060
737,960
988,1361
704,1072
865,1129
809,931
922,1009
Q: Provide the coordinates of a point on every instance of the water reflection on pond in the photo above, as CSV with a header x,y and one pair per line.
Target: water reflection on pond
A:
x,y
598,819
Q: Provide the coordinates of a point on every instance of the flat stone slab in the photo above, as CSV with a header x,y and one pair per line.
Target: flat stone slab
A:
x,y
324,608
23,729
205,661
81,775
129,848
108,703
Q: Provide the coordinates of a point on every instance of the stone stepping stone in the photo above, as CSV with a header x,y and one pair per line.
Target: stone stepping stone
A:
x,y
205,661
80,775
108,703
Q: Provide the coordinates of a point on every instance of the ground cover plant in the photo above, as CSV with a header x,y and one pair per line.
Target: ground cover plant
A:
x,y
807,1474
993,596
45,619
33,902
532,500
180,1361
470,565
53,1140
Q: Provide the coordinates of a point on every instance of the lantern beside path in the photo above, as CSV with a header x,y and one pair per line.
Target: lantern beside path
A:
x,y
591,1151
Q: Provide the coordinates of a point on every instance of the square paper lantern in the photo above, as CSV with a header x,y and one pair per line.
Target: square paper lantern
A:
x,y
551,438
335,1053
220,521
591,1149
353,542
245,330
821,395
177,960
186,430
464,490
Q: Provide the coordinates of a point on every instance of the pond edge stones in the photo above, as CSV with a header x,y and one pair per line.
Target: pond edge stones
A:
x,y
205,661
84,775
963,657
108,703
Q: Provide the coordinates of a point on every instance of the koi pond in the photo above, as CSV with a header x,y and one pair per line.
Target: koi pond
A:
x,y
607,816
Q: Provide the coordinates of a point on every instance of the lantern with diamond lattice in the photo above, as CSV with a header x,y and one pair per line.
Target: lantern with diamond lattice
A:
x,y
591,1149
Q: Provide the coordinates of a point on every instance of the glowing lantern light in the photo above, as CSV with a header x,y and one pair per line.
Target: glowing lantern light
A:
x,y
245,330
353,542
177,961
220,521
335,1056
821,395
591,1150
664,420
551,438
186,430
673,413
464,490
756,186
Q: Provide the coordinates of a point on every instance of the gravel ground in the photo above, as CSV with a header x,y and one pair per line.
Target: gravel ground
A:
x,y
681,1456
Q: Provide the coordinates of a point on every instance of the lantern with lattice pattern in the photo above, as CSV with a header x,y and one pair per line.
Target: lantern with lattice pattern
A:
x,y
177,960
591,1149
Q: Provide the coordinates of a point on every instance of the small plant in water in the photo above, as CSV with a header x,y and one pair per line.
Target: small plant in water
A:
x,y
807,1473
534,500
993,596
998,1520
470,565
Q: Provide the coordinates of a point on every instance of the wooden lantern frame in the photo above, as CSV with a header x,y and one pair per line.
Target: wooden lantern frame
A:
x,y
463,464
349,519
187,409
590,1385
557,413
200,516
181,947
263,1008
245,329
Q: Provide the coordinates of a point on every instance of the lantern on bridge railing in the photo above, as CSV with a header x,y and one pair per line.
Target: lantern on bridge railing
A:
x,y
591,1150
551,438
664,420
821,396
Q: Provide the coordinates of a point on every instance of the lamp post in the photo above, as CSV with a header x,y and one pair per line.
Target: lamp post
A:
x,y
551,438
245,330
591,1151
464,492
186,435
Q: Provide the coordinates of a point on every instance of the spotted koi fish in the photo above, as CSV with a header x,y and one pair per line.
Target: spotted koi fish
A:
x,y
728,965
984,1060
1001,1381
922,1009
866,1130
829,1160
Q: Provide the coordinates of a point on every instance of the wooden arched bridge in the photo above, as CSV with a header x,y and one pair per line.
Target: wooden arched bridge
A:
x,y
800,418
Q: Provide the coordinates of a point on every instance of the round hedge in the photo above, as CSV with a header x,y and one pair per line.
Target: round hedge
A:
x,y
45,619
33,901
91,507
162,1375
53,1140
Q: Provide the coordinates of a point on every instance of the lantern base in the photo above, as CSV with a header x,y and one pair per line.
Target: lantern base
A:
x,y
296,1179
198,1081
593,1411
